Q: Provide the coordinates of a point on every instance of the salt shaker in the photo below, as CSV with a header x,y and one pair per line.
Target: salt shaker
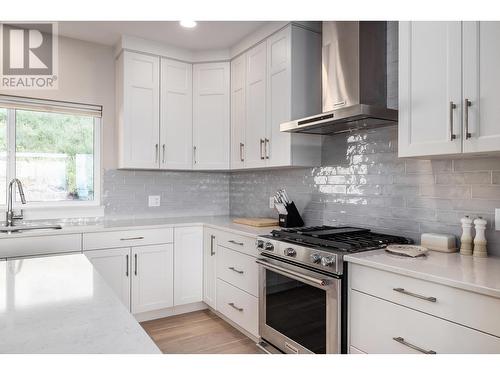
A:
x,y
480,238
466,239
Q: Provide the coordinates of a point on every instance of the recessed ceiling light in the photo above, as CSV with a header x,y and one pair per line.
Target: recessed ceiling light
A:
x,y
188,24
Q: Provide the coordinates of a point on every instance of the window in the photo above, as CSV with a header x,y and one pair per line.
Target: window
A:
x,y
53,148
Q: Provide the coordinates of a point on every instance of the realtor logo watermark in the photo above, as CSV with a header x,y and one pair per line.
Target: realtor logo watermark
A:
x,y
28,56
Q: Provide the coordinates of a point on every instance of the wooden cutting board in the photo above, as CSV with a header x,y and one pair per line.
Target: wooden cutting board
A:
x,y
257,221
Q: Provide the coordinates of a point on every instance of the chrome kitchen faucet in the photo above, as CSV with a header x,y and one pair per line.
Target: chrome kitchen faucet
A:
x,y
10,216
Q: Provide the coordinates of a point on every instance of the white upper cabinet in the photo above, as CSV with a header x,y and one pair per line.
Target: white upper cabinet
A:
x,y
211,116
138,101
176,127
255,126
283,82
152,270
238,111
447,88
188,282
481,82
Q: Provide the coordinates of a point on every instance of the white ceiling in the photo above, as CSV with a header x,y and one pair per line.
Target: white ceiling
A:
x,y
207,35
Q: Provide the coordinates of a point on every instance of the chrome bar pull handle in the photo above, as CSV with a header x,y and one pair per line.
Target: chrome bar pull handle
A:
x,y
194,155
452,108
163,157
235,307
132,238
126,270
236,242
135,264
156,153
266,148
403,291
467,104
414,347
235,270
241,151
212,238
261,149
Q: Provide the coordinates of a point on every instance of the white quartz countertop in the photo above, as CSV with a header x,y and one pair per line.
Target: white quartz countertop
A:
x,y
107,224
480,275
60,304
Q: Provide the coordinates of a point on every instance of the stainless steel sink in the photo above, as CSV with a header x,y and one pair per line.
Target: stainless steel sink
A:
x,y
23,228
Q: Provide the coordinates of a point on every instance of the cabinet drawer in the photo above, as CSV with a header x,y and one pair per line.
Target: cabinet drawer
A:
x,y
238,269
126,238
470,309
239,306
39,245
237,242
375,323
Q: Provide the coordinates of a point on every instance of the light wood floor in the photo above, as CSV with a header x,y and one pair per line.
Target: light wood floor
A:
x,y
199,332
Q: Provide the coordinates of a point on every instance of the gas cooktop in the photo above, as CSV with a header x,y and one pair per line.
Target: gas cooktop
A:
x,y
342,239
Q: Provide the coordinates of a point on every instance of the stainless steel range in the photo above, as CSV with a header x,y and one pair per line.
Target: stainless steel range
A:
x,y
303,288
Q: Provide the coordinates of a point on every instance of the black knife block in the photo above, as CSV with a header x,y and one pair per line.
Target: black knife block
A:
x,y
292,218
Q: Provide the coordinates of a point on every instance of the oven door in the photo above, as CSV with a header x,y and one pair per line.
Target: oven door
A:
x,y
299,310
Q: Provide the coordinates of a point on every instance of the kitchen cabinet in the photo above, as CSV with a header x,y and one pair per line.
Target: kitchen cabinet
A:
x,y
152,277
138,110
447,80
481,79
255,125
176,128
209,267
114,267
211,116
283,82
238,111
188,263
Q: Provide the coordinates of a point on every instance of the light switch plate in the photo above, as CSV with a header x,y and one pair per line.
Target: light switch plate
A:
x,y
154,201
497,218
271,202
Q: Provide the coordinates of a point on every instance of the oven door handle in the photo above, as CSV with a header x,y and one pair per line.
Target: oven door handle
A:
x,y
321,282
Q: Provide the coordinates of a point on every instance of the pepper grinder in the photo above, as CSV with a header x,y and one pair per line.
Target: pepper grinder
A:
x,y
480,239
466,239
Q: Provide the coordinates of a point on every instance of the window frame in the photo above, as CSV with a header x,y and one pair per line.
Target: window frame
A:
x,y
57,207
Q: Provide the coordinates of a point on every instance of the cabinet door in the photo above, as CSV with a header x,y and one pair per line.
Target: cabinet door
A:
x,y
255,127
481,80
430,100
176,130
139,136
114,267
209,267
188,281
152,277
211,116
278,144
238,111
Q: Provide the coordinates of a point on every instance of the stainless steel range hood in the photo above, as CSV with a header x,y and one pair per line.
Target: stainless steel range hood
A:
x,y
354,80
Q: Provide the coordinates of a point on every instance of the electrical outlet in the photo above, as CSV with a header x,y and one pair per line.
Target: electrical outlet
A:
x,y
271,202
497,218
154,201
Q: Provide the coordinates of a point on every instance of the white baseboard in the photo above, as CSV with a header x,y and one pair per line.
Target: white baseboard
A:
x,y
176,310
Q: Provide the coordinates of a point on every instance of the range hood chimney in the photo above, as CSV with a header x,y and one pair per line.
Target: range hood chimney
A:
x,y
354,80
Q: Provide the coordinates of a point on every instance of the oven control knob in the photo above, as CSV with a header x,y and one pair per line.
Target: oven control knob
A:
x,y
259,244
268,246
327,261
289,252
316,258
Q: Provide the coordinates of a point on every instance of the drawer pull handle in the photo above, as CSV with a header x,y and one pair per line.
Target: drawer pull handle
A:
x,y
131,238
235,307
414,347
126,270
212,238
402,290
236,242
235,270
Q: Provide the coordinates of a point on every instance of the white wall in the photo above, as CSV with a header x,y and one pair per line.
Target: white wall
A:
x,y
86,75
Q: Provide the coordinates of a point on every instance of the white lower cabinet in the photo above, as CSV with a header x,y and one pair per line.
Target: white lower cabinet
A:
x,y
152,277
188,263
114,267
239,306
238,269
210,238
